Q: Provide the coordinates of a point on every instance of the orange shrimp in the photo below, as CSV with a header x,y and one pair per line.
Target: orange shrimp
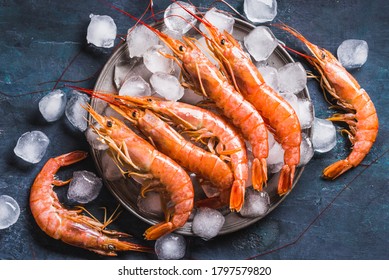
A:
x,y
147,162
192,158
278,114
203,76
200,124
360,114
68,225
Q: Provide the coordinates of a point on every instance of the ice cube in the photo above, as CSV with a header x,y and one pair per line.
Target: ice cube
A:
x,y
101,31
270,75
9,211
178,19
207,222
93,140
111,171
75,112
52,105
260,43
292,78
139,37
324,135
303,109
156,62
170,247
306,150
109,112
135,86
150,204
353,53
84,187
276,154
167,86
202,45
256,204
191,97
32,146
221,20
259,11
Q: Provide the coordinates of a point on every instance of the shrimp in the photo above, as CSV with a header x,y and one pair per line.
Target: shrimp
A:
x,y
199,124
204,77
360,114
187,155
278,114
68,225
147,162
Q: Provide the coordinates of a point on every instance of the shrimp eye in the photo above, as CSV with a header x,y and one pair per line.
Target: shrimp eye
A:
x,y
149,99
135,114
181,48
223,41
109,123
111,247
323,55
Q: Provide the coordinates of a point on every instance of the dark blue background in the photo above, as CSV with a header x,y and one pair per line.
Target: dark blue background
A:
x,y
343,219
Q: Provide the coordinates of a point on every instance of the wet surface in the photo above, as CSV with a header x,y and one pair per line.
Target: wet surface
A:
x,y
342,219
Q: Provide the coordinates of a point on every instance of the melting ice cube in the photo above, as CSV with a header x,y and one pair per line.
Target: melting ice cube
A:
x,y
167,86
32,146
111,171
150,204
52,105
93,140
135,86
306,150
222,21
256,204
292,78
353,53
9,211
207,222
84,187
260,11
101,31
74,111
260,43
324,135
170,247
270,75
139,37
156,62
177,19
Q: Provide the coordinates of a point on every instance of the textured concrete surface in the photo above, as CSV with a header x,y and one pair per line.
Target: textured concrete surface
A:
x,y
343,219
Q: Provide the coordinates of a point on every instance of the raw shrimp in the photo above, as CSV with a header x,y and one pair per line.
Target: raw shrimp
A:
x,y
360,114
278,114
201,125
192,158
204,77
147,162
68,225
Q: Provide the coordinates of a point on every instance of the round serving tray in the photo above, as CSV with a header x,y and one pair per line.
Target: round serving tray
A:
x,y
127,190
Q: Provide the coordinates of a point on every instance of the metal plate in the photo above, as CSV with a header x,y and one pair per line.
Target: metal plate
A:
x,y
127,190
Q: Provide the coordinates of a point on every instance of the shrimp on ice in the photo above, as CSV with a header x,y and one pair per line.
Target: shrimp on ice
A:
x,y
147,162
277,113
360,114
201,125
68,225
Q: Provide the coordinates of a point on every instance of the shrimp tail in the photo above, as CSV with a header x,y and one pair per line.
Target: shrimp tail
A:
x,y
259,173
238,190
71,158
159,230
336,169
286,179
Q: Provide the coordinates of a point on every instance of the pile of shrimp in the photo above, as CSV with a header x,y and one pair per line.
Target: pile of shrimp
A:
x,y
214,143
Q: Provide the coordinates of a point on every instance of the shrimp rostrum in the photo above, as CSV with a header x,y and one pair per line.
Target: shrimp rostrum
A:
x,y
145,161
69,225
359,111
